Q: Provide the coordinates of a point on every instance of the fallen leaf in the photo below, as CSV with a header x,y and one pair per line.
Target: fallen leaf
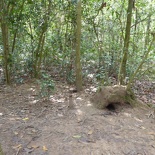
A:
x,y
139,120
45,148
25,119
142,127
35,146
127,114
16,133
90,132
33,130
60,115
76,136
18,146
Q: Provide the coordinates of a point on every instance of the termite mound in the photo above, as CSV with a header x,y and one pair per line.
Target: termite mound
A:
x,y
111,95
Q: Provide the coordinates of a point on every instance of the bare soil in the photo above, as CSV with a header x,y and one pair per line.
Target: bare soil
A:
x,y
31,125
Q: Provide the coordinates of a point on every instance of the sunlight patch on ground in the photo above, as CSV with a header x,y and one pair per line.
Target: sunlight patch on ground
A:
x,y
32,89
34,101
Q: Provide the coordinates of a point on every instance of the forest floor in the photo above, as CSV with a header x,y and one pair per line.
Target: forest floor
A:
x,y
31,125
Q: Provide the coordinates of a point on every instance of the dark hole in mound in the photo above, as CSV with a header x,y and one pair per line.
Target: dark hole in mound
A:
x,y
110,107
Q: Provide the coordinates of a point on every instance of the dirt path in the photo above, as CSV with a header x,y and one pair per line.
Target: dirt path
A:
x,y
29,125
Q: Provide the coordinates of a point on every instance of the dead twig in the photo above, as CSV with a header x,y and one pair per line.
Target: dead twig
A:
x,y
151,114
18,150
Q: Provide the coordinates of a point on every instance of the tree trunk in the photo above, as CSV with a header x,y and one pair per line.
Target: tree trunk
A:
x,y
5,38
142,62
39,51
78,42
38,55
147,32
122,71
17,28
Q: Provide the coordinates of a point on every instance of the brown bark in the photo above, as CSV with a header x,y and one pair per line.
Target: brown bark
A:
x,y
5,38
122,71
39,50
16,30
78,42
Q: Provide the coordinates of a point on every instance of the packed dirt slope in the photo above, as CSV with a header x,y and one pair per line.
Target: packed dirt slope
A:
x,y
31,125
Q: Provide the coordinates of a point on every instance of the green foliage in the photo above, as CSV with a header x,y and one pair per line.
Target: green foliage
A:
x,y
101,41
47,85
70,77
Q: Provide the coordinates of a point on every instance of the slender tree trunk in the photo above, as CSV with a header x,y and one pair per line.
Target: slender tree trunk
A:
x,y
99,46
38,55
78,42
16,30
147,32
142,62
122,71
5,38
135,30
39,50
41,53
